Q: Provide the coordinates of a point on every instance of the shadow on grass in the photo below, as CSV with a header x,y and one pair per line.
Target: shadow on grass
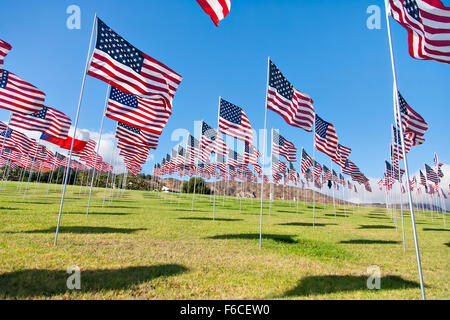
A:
x,y
209,219
448,244
378,226
100,213
337,215
114,207
85,230
380,217
307,224
5,208
47,283
364,241
255,236
315,285
189,210
435,229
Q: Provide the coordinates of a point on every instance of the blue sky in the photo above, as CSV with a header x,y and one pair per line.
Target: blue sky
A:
x,y
323,47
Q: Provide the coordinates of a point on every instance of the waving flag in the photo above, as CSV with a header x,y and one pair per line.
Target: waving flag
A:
x,y
142,113
283,147
5,47
428,26
211,142
216,9
423,180
278,166
193,148
342,154
431,175
234,159
19,96
397,150
251,154
412,122
233,122
295,107
117,62
306,162
48,120
136,136
326,138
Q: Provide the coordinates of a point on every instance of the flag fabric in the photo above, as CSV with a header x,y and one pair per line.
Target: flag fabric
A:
x,y
211,142
19,96
234,158
278,166
132,135
283,147
342,154
193,148
234,122
146,114
428,26
5,47
250,154
306,161
412,122
413,183
117,62
423,180
431,175
295,107
326,138
397,150
49,120
216,9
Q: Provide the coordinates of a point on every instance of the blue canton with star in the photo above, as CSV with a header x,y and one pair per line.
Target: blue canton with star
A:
x,y
129,128
280,83
4,79
208,131
118,48
413,9
230,112
7,133
321,127
124,98
278,139
41,114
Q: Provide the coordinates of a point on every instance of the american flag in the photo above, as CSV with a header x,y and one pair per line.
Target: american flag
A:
x,y
342,155
428,26
412,122
221,165
48,120
317,170
327,173
117,62
211,142
142,113
60,160
193,147
349,168
397,150
234,158
5,47
19,96
278,166
283,147
133,135
234,122
413,183
431,174
251,154
423,180
295,107
326,138
306,162
23,143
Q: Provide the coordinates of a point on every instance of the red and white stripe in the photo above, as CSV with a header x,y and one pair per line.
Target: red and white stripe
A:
x,y
5,47
216,9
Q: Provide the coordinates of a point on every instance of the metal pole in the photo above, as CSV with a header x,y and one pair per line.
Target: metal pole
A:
x,y
396,109
75,129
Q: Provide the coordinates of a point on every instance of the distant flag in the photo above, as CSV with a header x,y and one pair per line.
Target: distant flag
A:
x,y
326,138
397,150
431,175
412,122
117,62
251,154
216,9
306,161
283,147
413,183
5,47
234,159
342,154
295,107
193,148
234,122
423,180
428,26
136,136
19,96
47,120
278,166
211,142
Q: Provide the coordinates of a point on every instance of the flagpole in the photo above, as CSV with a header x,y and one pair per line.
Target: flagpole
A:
x,y
217,156
314,175
264,155
75,128
396,109
108,90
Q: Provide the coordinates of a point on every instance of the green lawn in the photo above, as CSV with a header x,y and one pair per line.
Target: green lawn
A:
x,y
142,247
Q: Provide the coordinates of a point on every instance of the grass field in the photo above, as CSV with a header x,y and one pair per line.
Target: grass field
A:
x,y
140,246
